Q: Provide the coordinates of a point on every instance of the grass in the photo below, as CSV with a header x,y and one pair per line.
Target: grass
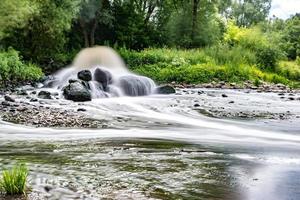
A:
x,y
217,63
14,180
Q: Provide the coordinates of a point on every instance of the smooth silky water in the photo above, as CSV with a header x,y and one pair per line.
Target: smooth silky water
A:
x,y
160,147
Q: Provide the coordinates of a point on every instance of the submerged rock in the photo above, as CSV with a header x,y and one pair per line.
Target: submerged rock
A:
x,y
104,77
166,89
44,95
85,75
77,91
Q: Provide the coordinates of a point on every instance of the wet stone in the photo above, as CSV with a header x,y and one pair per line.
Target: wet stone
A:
x,y
85,75
9,98
224,95
44,95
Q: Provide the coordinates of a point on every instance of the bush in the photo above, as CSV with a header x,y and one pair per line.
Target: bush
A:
x,y
267,57
14,181
14,70
289,69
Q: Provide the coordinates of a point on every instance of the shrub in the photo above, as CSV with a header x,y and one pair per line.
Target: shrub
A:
x,y
267,57
14,70
289,69
14,181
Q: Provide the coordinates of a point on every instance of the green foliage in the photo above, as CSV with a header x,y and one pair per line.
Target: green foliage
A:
x,y
289,69
264,49
43,38
14,14
14,70
14,180
220,63
207,30
292,37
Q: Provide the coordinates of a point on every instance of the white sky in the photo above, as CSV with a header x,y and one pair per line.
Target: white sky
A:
x,y
285,8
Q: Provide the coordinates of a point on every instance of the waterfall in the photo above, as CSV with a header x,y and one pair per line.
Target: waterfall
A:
x,y
109,75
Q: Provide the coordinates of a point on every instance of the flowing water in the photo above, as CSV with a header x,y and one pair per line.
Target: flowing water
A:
x,y
161,147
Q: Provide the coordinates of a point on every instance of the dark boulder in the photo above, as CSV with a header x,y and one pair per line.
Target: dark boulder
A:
x,y
77,91
85,75
44,95
104,77
165,89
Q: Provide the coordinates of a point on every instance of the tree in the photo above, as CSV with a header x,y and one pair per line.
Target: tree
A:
x,y
196,23
292,37
14,14
250,12
92,13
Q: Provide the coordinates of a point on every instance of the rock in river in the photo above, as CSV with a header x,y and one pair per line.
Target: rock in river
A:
x,y
85,75
77,91
165,89
44,95
104,77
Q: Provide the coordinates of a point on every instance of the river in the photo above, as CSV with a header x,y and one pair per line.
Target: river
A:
x,y
190,145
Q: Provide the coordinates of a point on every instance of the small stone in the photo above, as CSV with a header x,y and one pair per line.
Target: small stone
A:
x,y
231,102
291,98
33,100
224,96
8,98
81,109
196,105
5,103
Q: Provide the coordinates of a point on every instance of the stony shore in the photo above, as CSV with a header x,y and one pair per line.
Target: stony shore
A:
x,y
31,110
247,85
38,114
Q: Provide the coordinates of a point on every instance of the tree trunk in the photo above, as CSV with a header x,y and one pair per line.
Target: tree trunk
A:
x,y
92,34
194,18
85,34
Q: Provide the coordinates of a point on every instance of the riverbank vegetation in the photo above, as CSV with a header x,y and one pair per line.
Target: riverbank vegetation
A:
x,y
14,181
172,40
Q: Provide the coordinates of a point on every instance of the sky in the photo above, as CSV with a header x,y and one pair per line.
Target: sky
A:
x,y
284,8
